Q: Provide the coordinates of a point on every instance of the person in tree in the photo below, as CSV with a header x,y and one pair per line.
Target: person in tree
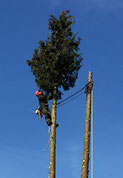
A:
x,y
43,106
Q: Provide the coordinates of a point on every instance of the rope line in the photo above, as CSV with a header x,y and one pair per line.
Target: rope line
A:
x,y
70,100
46,145
72,95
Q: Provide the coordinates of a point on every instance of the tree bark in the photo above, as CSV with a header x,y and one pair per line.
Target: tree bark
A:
x,y
52,165
86,150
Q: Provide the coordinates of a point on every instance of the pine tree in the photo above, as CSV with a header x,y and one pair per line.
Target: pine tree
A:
x,y
56,61
55,65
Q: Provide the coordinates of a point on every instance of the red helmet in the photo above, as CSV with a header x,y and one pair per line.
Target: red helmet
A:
x,y
37,93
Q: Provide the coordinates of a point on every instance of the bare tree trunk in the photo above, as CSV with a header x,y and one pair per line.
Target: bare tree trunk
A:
x,y
53,137
86,150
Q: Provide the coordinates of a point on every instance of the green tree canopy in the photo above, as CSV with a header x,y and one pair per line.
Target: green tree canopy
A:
x,y
56,61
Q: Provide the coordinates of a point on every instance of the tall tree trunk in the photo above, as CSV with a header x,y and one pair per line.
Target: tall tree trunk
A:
x,y
86,150
53,137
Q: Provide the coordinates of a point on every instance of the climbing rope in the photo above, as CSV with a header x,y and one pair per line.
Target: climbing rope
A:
x,y
46,145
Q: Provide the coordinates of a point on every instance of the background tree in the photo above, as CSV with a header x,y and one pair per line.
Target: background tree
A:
x,y
55,65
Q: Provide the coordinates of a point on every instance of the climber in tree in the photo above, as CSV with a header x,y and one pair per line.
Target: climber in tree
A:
x,y
43,106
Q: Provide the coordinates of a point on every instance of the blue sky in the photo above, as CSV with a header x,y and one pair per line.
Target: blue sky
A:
x,y
22,136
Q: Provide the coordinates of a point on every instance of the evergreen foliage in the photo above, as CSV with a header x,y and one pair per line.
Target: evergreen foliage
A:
x,y
56,61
